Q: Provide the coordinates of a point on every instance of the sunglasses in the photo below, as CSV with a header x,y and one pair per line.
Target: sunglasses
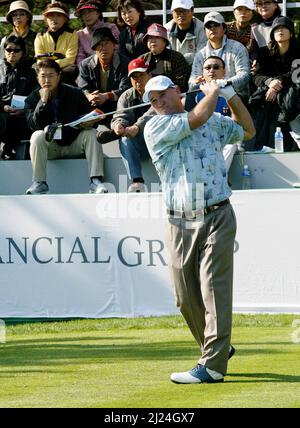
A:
x,y
14,50
211,25
212,67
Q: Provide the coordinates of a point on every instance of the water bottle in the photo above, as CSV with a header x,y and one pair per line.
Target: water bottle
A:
x,y
246,178
278,139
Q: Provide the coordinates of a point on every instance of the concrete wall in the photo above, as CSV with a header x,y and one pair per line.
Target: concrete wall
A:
x,y
71,175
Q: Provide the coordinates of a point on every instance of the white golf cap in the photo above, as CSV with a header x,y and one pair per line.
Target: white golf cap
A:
x,y
182,4
158,83
246,3
213,17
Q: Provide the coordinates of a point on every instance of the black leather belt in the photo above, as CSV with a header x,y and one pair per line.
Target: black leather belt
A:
x,y
198,213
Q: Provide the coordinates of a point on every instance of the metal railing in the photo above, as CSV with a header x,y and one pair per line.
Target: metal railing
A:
x,y
164,12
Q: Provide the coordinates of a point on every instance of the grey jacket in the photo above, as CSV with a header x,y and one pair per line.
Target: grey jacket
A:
x,y
193,42
138,116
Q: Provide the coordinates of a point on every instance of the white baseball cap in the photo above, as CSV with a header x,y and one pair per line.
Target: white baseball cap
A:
x,y
214,17
246,3
157,83
182,4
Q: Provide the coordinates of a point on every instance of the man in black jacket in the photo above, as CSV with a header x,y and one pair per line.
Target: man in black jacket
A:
x,y
57,103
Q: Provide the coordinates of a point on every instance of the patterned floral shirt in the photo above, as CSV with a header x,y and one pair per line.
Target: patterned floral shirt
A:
x,y
189,162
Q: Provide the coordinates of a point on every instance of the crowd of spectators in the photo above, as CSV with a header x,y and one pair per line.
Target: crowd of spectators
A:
x,y
106,66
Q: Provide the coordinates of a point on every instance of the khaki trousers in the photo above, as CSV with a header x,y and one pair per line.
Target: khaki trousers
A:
x,y
201,254
84,144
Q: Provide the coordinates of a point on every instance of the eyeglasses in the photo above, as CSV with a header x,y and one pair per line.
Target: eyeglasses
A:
x,y
211,25
212,66
17,14
14,50
264,3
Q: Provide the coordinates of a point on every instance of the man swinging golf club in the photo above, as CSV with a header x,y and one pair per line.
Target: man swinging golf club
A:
x,y
186,149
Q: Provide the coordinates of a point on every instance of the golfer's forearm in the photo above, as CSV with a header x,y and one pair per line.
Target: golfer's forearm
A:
x,y
203,110
241,115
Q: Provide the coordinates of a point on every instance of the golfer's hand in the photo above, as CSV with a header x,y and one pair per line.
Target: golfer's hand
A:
x,y
210,87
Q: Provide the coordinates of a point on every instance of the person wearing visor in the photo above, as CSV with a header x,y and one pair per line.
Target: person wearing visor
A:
x,y
233,53
129,125
185,32
240,28
164,61
20,17
59,42
90,12
186,149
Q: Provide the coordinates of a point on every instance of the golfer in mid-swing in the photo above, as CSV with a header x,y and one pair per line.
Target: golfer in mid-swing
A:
x,y
186,149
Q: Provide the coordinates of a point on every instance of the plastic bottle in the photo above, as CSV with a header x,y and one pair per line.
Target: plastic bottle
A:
x,y
246,178
278,139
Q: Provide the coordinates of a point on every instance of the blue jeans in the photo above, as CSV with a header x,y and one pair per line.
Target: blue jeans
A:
x,y
133,151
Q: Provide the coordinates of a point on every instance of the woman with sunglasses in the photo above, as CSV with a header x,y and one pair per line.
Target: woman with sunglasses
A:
x,y
20,17
17,77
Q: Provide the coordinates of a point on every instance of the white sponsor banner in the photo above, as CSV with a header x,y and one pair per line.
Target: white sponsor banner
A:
x,y
96,256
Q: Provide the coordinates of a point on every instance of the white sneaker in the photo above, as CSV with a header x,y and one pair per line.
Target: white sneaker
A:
x,y
199,374
136,188
97,186
38,188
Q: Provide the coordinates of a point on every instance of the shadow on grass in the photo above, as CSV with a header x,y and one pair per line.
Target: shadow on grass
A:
x,y
21,356
263,377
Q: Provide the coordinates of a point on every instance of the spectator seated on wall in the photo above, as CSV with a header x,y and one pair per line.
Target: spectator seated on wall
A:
x,y
273,78
53,104
164,61
20,17
185,32
233,53
90,12
129,125
17,77
103,76
59,41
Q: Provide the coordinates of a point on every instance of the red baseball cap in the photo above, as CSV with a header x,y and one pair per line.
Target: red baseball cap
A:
x,y
137,65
